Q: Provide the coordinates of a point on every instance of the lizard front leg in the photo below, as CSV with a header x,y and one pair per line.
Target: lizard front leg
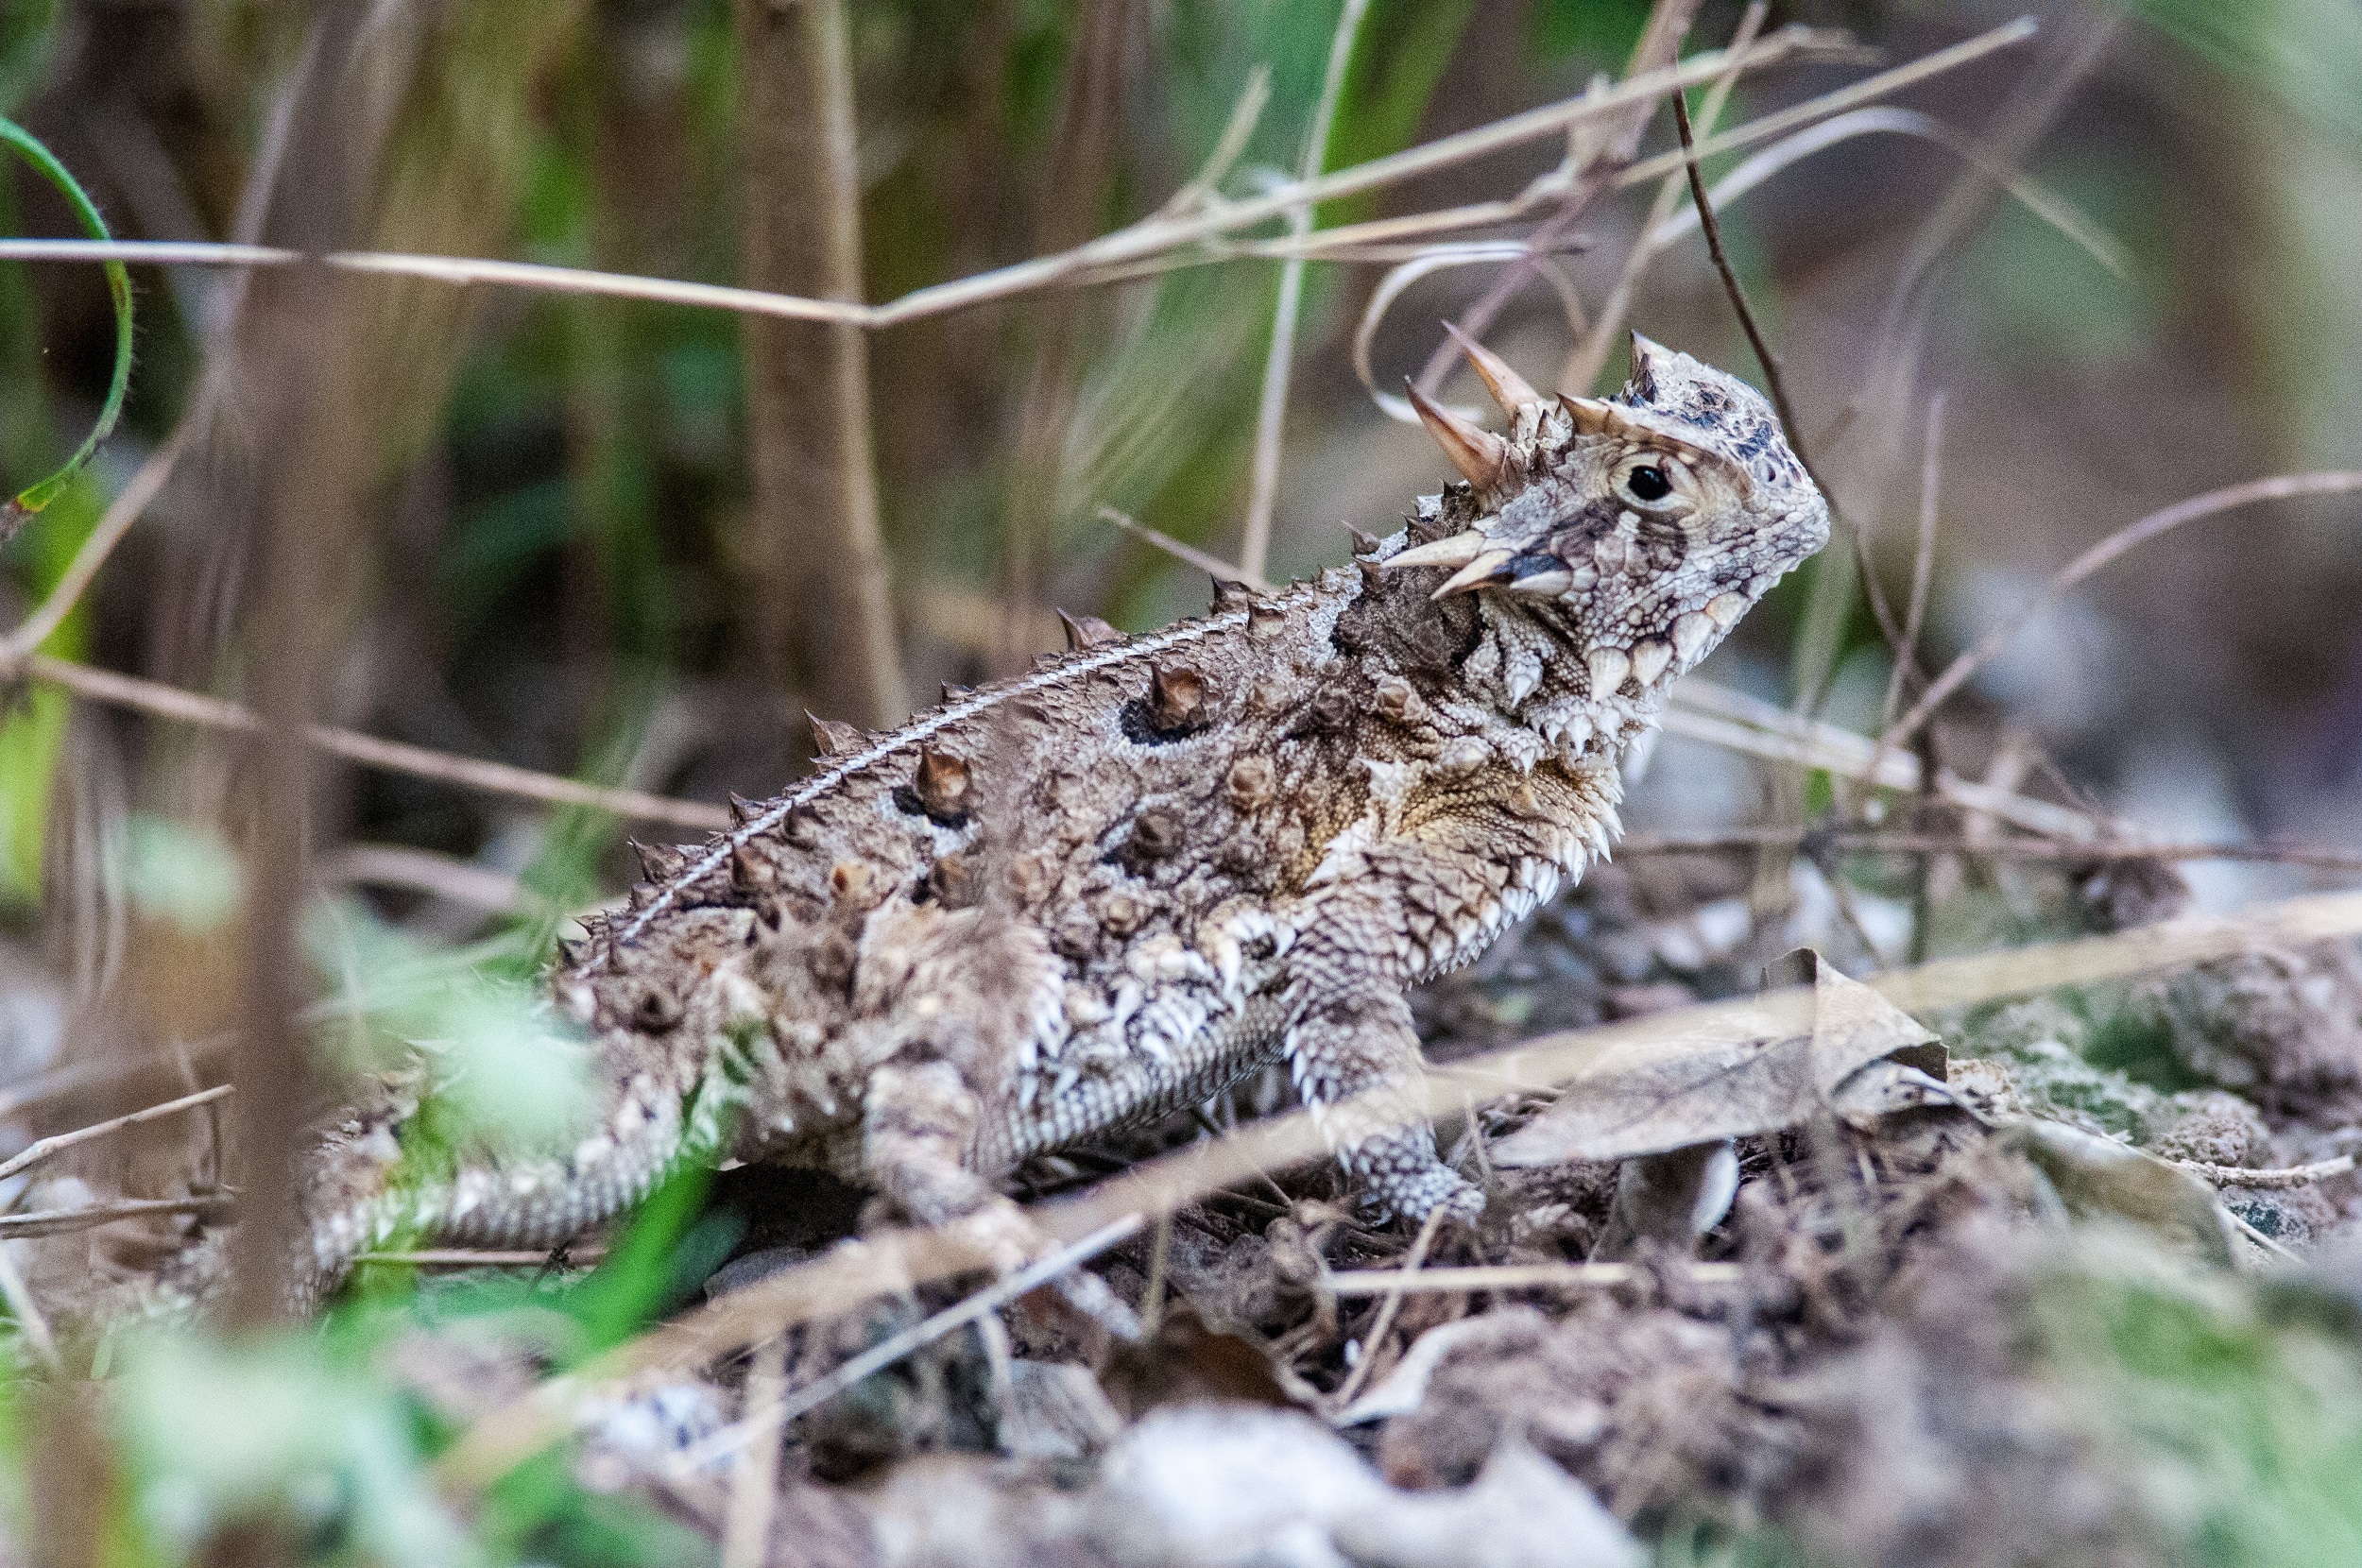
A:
x,y
1351,1046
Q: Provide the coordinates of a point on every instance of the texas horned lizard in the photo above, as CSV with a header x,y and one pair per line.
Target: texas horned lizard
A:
x,y
1105,889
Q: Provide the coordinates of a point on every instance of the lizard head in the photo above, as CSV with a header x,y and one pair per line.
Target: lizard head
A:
x,y
1646,523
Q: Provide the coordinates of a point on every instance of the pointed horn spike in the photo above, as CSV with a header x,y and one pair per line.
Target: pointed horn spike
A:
x,y
1510,389
1644,353
1481,456
1594,416
1455,552
1485,570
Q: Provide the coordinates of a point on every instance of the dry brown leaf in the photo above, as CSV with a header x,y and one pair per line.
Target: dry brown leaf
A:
x,y
1742,1072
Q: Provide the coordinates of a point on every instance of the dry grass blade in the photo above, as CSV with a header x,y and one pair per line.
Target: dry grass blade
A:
x,y
895,1260
2121,543
1510,1276
1590,353
190,707
43,1149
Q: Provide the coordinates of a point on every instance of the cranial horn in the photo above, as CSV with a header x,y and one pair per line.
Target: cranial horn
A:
x,y
1644,354
1509,388
1455,552
1481,456
1595,415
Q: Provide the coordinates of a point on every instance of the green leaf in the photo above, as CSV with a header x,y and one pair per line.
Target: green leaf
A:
x,y
13,513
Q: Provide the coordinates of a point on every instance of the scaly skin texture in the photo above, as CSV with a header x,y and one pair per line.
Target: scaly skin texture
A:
x,y
1089,897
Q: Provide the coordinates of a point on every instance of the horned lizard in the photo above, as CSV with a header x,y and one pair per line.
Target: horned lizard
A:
x,y
1105,890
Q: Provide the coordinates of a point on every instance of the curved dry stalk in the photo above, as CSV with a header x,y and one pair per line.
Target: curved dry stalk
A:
x,y
191,708
2121,543
1440,257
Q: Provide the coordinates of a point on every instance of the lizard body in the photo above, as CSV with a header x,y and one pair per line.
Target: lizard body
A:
x,y
1105,889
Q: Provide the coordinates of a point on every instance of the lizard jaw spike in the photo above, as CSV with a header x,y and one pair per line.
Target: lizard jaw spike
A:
x,y
1481,456
1455,552
1508,389
1486,570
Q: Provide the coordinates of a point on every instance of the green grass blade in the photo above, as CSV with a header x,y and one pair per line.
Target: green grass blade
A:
x,y
13,513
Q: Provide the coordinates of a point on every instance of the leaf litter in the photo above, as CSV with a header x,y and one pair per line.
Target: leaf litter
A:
x,y
1856,1271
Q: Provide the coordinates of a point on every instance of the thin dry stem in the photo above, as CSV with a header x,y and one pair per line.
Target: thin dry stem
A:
x,y
1590,351
1404,1279
17,1227
1272,415
190,707
2123,542
768,1418
49,1147
2272,1180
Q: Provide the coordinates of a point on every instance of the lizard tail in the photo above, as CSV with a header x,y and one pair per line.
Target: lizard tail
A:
x,y
359,1197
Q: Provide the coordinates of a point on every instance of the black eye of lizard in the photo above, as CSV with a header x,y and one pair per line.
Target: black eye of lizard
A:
x,y
1649,483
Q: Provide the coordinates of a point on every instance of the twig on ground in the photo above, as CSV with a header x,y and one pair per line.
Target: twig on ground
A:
x,y
769,1418
43,1149
1271,416
1510,1276
2121,543
2291,1176
1404,1278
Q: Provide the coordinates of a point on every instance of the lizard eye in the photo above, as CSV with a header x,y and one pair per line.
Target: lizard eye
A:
x,y
1648,482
